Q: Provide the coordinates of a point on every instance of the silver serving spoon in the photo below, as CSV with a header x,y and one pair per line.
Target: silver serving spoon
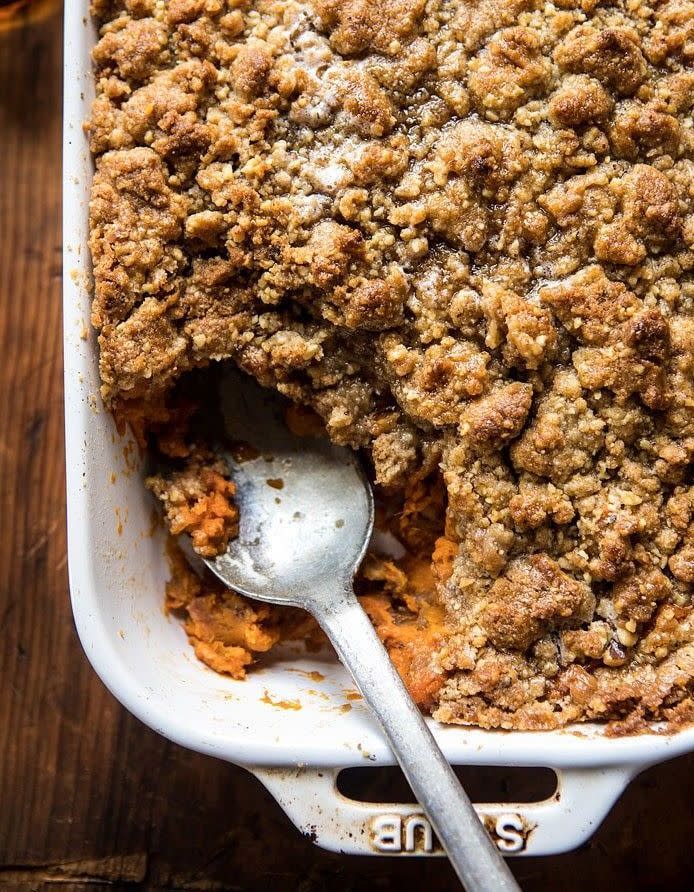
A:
x,y
306,518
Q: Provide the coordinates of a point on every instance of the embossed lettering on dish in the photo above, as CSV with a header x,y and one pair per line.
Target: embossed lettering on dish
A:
x,y
412,834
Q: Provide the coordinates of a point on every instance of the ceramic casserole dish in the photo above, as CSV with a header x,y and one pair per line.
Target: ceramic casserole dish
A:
x,y
117,576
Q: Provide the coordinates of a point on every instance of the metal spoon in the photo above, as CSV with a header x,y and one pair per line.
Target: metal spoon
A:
x,y
306,519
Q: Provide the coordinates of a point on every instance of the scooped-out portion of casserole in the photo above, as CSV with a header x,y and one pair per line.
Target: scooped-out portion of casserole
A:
x,y
457,235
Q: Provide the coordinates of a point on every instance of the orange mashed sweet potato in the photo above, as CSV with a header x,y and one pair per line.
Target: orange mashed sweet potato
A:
x,y
229,632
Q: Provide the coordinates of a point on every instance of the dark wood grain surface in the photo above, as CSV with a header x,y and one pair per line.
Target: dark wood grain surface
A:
x,y
88,795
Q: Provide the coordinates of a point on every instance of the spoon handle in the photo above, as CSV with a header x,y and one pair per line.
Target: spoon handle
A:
x,y
476,860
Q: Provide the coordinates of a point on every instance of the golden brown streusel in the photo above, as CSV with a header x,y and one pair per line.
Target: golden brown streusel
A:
x,y
462,233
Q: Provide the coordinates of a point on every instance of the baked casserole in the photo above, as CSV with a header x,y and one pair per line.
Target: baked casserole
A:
x,y
457,235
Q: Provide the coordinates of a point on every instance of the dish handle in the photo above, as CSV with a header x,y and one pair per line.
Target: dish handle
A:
x,y
312,801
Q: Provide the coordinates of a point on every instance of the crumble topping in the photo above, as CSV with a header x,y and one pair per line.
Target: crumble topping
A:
x,y
461,233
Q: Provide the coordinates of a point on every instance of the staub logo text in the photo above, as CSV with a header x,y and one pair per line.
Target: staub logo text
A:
x,y
402,834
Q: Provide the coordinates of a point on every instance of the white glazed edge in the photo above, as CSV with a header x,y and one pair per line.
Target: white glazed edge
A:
x,y
116,583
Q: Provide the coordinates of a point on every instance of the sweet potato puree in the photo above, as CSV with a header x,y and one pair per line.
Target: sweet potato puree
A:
x,y
229,632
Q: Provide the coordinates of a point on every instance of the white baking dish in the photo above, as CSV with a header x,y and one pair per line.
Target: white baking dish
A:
x,y
117,574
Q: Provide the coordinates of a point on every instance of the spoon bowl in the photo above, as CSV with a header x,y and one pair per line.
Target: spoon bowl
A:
x,y
306,508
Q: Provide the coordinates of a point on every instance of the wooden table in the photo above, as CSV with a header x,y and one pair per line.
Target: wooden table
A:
x,y
88,795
